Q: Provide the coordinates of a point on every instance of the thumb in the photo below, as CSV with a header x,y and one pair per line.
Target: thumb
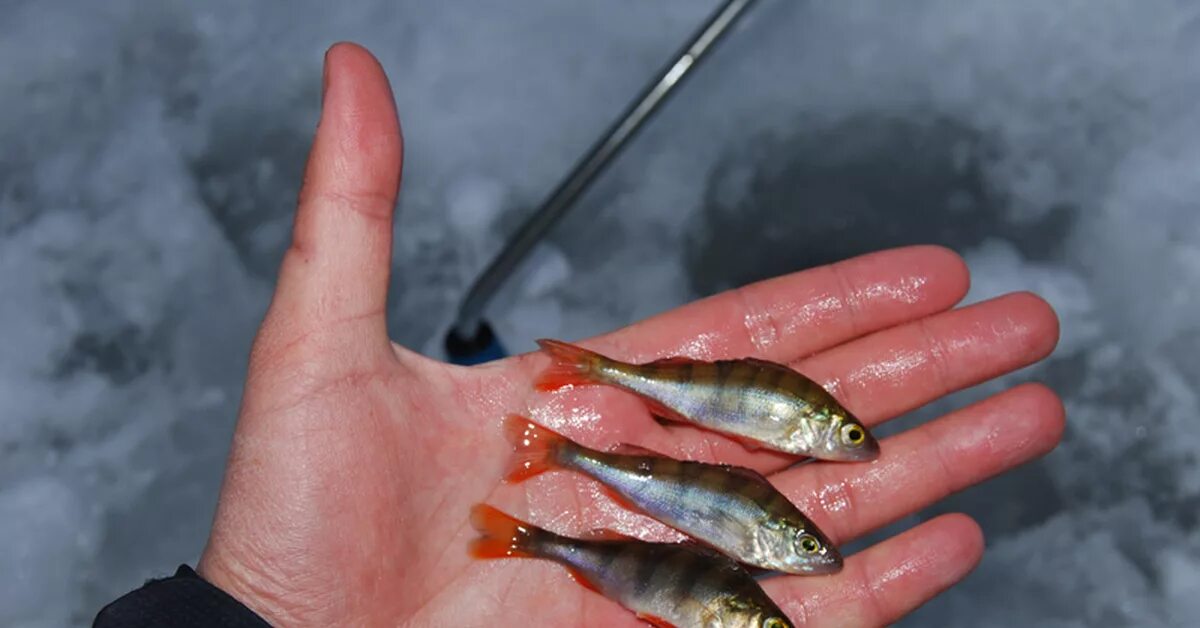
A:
x,y
335,274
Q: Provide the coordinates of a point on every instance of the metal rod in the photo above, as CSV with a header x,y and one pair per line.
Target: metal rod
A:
x,y
593,163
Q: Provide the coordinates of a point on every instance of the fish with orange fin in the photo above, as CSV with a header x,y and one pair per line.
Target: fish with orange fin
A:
x,y
665,584
732,509
758,402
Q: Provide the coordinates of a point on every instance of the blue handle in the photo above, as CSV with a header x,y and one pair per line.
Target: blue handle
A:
x,y
483,347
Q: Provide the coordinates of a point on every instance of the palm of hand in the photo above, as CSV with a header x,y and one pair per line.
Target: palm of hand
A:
x,y
355,462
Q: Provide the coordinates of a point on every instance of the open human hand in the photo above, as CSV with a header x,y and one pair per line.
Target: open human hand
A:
x,y
355,462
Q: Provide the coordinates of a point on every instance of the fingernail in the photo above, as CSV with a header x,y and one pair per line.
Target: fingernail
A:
x,y
325,78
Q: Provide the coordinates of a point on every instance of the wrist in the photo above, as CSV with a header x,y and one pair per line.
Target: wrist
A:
x,y
245,585
182,600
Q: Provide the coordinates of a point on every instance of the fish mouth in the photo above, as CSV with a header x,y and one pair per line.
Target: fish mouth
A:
x,y
867,452
824,568
828,561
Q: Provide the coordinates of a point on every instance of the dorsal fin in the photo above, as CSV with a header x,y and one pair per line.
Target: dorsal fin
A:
x,y
749,443
662,414
766,364
675,360
749,474
703,548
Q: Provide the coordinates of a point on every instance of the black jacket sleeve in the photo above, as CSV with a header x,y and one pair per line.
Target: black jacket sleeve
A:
x,y
183,600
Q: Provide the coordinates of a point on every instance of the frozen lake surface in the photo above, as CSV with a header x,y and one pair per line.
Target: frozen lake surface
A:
x,y
152,153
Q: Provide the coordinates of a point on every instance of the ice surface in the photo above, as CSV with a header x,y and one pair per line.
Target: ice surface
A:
x,y
152,154
45,570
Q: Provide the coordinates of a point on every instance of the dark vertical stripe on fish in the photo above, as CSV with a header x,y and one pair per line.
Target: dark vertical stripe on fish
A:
x,y
687,371
729,579
750,402
756,491
721,480
725,369
729,486
690,569
705,386
651,371
660,467
733,375
702,482
748,373
777,503
627,561
785,383
607,567
687,490
644,576
776,380
732,400
610,555
669,467
706,374
773,383
760,379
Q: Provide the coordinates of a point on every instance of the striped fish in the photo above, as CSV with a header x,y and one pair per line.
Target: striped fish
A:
x,y
665,584
761,403
732,509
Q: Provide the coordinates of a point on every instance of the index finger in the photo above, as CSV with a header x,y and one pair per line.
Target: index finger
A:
x,y
788,317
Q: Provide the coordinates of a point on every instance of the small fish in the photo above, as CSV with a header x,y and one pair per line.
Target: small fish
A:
x,y
733,509
759,402
665,584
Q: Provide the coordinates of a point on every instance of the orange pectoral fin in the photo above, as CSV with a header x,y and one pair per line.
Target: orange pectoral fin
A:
x,y
660,411
749,443
620,499
657,622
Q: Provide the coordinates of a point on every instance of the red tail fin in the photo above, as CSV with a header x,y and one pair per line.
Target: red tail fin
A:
x,y
572,365
502,536
536,448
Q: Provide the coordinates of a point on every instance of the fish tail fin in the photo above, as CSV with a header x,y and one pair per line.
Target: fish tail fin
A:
x,y
572,365
535,448
501,535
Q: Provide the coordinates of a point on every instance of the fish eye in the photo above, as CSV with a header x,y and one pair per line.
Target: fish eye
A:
x,y
854,434
775,622
808,543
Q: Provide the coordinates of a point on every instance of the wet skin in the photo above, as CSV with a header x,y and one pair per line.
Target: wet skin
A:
x,y
355,462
